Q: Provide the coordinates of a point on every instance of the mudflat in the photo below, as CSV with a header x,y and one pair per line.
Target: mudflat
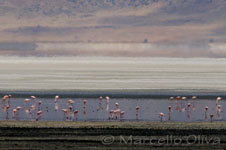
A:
x,y
112,135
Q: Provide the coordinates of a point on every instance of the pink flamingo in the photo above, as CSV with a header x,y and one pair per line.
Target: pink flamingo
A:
x,y
18,108
218,111
14,113
56,98
211,117
116,112
117,105
70,113
32,107
193,97
171,99
111,112
56,107
107,102
188,110
25,103
218,99
100,103
162,116
65,112
75,114
39,115
39,105
121,115
176,102
34,99
7,112
34,102
182,103
137,111
206,109
84,107
70,103
170,110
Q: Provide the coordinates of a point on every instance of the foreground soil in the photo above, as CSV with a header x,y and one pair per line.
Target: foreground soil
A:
x,y
112,135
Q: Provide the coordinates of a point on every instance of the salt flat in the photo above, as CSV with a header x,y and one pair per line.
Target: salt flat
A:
x,y
111,73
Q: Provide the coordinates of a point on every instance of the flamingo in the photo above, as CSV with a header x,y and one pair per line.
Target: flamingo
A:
x,y
121,115
14,113
65,112
56,98
84,106
182,103
218,99
75,114
117,105
206,109
39,105
218,111
70,113
116,112
111,112
7,112
170,110
193,97
211,117
39,115
31,111
107,102
100,103
25,103
162,116
34,99
137,111
18,108
70,102
56,107
171,99
34,102
176,102
188,110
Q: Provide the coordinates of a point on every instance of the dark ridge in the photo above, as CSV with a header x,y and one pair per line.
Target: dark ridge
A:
x,y
18,46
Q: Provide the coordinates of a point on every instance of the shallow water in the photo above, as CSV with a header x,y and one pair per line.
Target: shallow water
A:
x,y
149,109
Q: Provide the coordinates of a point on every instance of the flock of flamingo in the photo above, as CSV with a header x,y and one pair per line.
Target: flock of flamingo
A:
x,y
33,108
182,108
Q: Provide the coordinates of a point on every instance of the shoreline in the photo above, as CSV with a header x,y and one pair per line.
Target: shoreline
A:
x,y
114,124
145,94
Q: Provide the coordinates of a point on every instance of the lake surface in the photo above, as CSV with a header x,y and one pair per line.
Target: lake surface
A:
x,y
112,74
96,111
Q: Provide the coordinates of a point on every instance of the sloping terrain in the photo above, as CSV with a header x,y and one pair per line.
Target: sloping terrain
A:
x,y
171,25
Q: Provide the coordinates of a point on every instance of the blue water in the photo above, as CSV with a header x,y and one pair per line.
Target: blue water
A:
x,y
149,109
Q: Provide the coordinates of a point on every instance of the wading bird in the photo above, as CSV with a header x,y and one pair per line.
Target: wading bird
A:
x,y
206,110
137,111
162,116
121,115
170,110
